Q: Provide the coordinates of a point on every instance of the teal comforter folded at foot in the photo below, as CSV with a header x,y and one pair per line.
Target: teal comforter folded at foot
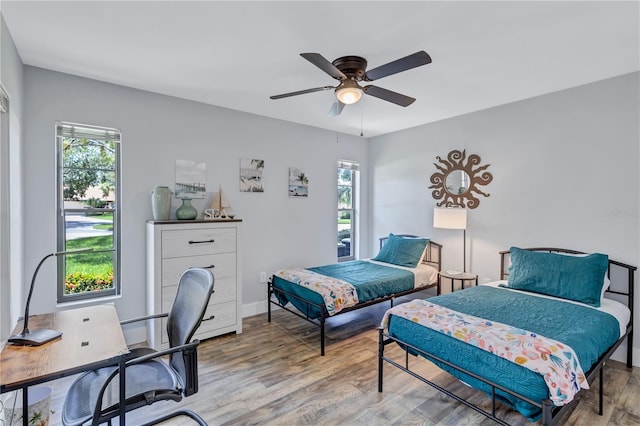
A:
x,y
371,281
587,331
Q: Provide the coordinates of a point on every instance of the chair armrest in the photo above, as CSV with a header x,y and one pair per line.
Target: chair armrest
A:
x,y
148,317
188,347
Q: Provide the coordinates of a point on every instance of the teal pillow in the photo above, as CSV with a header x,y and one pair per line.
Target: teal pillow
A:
x,y
402,251
567,277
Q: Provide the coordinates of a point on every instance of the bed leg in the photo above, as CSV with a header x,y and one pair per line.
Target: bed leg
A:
x,y
631,283
630,349
380,355
547,417
322,334
601,393
268,302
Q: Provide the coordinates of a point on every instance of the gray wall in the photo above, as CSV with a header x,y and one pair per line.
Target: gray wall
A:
x,y
565,169
11,194
564,166
277,231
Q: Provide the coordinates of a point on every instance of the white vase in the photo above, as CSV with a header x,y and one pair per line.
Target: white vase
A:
x,y
161,202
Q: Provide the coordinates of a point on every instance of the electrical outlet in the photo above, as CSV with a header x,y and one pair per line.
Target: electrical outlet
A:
x,y
263,277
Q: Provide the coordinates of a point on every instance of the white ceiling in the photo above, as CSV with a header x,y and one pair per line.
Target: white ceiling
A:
x,y
236,54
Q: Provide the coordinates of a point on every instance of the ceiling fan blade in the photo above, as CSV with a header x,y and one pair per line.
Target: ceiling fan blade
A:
x,y
388,95
302,92
403,64
319,61
336,108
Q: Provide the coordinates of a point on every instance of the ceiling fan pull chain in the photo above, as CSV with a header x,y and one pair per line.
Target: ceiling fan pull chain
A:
x,y
362,119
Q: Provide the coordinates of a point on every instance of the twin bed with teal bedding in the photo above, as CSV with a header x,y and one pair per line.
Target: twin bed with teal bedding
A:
x,y
405,264
535,302
371,281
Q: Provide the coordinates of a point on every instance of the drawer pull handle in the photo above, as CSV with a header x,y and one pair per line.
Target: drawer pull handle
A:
x,y
209,267
202,242
210,318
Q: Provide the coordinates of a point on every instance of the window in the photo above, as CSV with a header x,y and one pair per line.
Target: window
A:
x,y
347,178
88,160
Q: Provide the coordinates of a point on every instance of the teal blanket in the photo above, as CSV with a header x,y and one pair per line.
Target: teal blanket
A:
x,y
589,332
371,281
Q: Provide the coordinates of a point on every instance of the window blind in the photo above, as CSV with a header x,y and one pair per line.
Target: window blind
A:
x,y
4,100
69,130
349,165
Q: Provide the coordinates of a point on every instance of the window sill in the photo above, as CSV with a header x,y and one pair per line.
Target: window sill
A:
x,y
86,302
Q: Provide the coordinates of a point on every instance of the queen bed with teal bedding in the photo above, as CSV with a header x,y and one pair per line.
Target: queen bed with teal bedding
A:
x,y
531,342
404,265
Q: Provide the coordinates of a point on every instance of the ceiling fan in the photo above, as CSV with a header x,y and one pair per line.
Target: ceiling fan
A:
x,y
349,70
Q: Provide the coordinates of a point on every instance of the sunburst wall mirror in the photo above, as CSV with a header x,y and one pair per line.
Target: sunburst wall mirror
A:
x,y
457,181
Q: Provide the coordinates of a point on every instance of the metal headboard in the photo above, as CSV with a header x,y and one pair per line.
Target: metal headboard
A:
x,y
618,267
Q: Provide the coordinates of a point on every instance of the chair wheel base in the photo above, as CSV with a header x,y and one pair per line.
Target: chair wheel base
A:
x,y
187,413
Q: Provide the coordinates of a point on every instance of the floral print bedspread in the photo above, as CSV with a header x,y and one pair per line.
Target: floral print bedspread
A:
x,y
556,362
337,294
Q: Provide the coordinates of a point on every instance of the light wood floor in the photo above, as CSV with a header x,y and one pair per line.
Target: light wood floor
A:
x,y
273,374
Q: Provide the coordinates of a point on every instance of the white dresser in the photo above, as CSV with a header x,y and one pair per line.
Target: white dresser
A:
x,y
174,246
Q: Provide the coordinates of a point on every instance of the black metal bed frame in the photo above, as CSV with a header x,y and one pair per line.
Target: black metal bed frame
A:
x,y
550,413
432,257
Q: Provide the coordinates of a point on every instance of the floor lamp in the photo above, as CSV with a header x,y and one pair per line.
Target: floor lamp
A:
x,y
453,218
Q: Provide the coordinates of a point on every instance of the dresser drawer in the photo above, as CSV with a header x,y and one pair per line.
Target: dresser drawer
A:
x,y
224,290
221,265
217,316
224,315
195,242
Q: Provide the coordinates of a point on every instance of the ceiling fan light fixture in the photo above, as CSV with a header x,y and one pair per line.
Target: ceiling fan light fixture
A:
x,y
349,92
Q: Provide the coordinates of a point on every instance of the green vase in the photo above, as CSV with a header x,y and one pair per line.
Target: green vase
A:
x,y
186,211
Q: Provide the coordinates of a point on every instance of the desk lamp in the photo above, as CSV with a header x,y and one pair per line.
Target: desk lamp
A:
x,y
41,336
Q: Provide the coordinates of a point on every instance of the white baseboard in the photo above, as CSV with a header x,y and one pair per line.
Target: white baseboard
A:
x,y
621,355
255,308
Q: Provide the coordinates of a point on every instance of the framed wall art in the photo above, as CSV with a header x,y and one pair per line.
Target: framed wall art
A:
x,y
298,183
251,175
191,179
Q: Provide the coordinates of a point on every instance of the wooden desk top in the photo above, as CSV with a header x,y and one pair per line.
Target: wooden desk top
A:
x,y
92,337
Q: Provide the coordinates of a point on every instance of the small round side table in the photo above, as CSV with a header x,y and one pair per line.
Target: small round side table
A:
x,y
460,276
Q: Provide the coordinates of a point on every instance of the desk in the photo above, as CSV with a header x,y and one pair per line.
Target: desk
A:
x,y
91,338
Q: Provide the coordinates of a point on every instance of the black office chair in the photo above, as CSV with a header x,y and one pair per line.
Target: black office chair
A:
x,y
94,396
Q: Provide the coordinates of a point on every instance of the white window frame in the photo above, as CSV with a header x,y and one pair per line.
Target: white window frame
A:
x,y
66,130
354,167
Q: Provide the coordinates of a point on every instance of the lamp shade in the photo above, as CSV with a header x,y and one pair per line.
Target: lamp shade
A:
x,y
450,218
